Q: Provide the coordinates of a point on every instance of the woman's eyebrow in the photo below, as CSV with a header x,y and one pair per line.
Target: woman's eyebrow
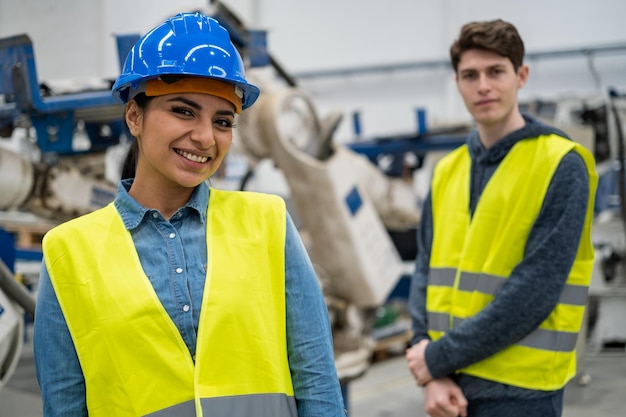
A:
x,y
197,106
188,102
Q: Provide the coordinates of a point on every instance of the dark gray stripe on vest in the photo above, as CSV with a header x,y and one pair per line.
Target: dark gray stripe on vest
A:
x,y
258,405
575,295
186,409
438,321
443,277
483,283
539,339
550,340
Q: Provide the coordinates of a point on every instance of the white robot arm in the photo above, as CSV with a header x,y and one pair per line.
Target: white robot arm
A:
x,y
346,205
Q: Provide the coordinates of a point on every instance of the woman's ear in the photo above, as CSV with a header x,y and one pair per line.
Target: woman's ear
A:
x,y
133,117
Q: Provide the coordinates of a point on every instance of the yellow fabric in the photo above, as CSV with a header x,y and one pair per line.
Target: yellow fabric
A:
x,y
493,243
133,358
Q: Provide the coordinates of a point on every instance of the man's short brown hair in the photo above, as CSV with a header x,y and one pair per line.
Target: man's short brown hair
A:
x,y
495,36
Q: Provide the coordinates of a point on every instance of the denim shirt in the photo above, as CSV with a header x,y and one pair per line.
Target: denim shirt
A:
x,y
174,257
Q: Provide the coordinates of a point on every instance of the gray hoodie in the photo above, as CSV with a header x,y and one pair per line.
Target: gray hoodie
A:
x,y
534,286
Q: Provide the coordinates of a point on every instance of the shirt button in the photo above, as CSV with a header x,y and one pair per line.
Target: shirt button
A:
x,y
172,235
155,214
179,270
185,308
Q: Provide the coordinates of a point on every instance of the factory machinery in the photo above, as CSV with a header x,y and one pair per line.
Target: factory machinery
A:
x,y
356,219
65,143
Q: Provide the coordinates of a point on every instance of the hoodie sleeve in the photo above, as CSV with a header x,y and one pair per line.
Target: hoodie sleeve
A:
x,y
419,280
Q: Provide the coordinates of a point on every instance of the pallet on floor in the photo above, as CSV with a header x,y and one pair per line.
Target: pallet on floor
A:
x,y
392,340
27,236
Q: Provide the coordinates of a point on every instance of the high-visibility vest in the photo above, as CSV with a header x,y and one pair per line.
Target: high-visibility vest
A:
x,y
133,358
472,258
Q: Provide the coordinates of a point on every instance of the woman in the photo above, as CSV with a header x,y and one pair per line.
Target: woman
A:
x,y
178,299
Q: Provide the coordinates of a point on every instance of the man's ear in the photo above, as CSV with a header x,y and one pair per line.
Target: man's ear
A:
x,y
133,116
522,75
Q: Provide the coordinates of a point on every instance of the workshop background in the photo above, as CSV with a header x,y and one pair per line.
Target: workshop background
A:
x,y
365,92
380,59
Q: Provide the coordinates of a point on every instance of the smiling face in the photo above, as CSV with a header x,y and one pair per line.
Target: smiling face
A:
x,y
488,84
183,138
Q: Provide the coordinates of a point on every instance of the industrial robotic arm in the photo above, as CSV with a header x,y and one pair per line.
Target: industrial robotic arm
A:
x,y
70,187
64,136
346,206
52,152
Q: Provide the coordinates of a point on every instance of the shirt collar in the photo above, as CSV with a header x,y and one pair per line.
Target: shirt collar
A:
x,y
132,212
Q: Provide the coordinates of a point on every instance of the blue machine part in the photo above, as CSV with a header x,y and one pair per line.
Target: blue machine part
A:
x,y
353,201
9,254
607,194
257,49
251,43
125,44
7,249
397,147
53,117
420,114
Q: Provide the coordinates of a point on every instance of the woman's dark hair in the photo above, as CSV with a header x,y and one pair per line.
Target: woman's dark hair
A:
x,y
130,162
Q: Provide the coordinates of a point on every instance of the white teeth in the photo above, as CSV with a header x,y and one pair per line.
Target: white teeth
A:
x,y
192,157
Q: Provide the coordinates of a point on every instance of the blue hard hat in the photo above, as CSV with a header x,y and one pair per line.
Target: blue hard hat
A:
x,y
188,44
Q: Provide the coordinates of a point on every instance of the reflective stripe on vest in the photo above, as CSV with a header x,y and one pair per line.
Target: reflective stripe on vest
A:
x,y
471,258
242,405
133,358
559,341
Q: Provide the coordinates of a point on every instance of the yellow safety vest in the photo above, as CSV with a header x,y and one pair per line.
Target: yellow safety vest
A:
x,y
134,360
472,258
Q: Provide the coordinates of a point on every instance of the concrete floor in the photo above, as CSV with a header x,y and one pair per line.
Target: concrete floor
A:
x,y
21,397
386,390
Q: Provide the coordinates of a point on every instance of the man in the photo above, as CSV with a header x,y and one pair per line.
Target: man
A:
x,y
505,254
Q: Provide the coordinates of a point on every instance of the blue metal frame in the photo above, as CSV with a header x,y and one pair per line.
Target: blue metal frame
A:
x,y
9,253
53,117
7,249
251,43
398,146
